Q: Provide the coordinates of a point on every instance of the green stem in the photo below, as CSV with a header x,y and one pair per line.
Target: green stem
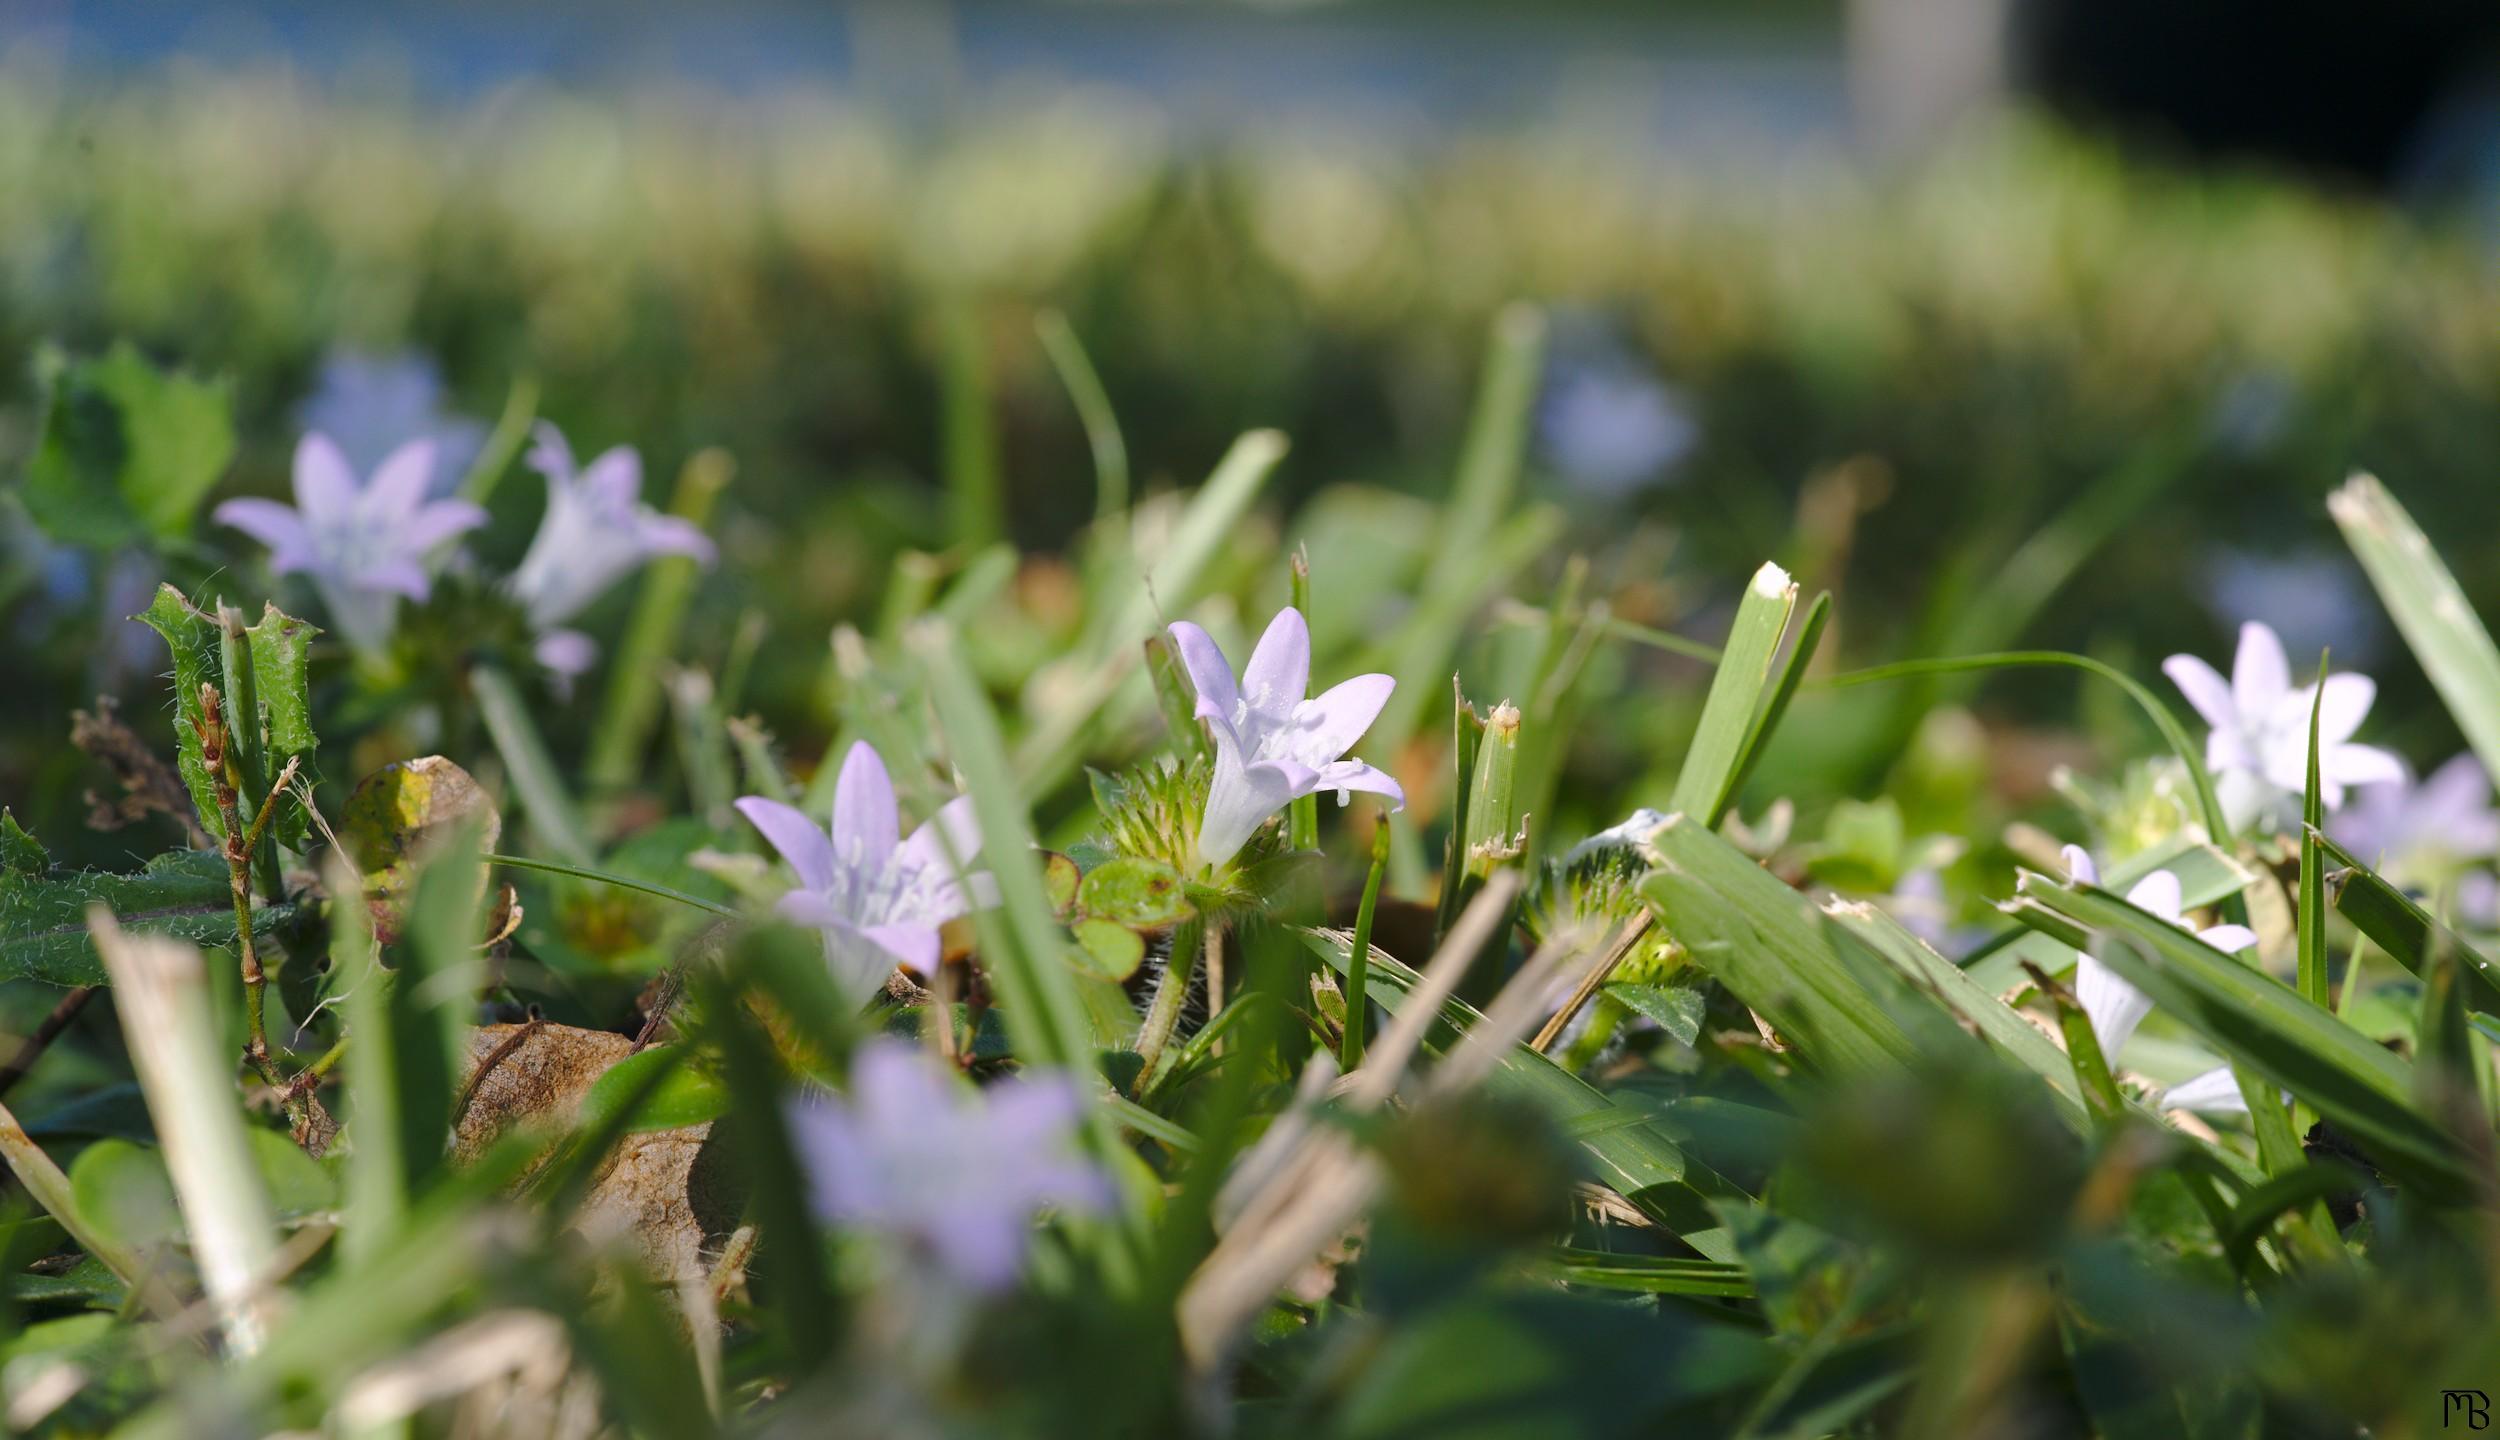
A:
x,y
1165,1013
1359,957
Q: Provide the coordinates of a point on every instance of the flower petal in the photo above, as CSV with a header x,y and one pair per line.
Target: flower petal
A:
x,y
674,535
399,483
2204,688
2341,765
807,849
440,521
1279,671
2114,1007
1210,674
2216,1092
809,908
2260,675
912,945
952,827
325,484
2340,713
866,826
567,652
1327,727
550,456
2157,895
277,526
1238,802
399,575
2229,939
2079,866
614,477
1350,775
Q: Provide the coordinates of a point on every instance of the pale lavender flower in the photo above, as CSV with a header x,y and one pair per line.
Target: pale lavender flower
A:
x,y
595,530
2259,744
2115,1008
365,544
2446,816
877,898
1612,427
957,1174
1272,746
372,404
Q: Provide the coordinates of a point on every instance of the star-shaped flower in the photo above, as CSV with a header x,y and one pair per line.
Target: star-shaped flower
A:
x,y
956,1173
595,530
2259,745
878,899
1272,746
2116,1008
2446,816
364,543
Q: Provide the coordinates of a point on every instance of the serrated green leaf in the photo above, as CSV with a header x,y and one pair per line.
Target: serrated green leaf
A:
x,y
184,894
193,641
128,451
281,647
20,852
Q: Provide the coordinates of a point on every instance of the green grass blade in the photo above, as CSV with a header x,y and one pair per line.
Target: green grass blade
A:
x,y
2311,921
629,711
2429,608
2264,1026
1093,410
2008,1033
976,500
2205,876
1764,941
2406,931
1792,673
1739,694
604,877
1646,1274
1480,495
545,802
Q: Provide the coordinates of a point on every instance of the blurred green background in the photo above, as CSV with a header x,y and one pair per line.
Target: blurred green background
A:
x,y
1884,326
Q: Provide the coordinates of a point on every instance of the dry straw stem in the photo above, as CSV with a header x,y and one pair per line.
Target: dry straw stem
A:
x,y
1314,1192
160,991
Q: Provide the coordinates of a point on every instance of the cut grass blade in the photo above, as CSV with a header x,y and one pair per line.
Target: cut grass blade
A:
x,y
2429,609
1792,673
2005,1031
2406,931
1740,695
1764,941
2205,876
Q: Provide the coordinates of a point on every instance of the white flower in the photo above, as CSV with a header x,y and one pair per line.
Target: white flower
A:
x,y
365,544
879,899
2116,1008
1271,745
595,530
2259,745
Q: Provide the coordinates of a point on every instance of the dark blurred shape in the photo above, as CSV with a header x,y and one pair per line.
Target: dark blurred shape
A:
x,y
2348,91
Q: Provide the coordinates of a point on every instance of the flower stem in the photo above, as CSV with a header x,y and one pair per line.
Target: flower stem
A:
x,y
1165,1013
1359,959
237,848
